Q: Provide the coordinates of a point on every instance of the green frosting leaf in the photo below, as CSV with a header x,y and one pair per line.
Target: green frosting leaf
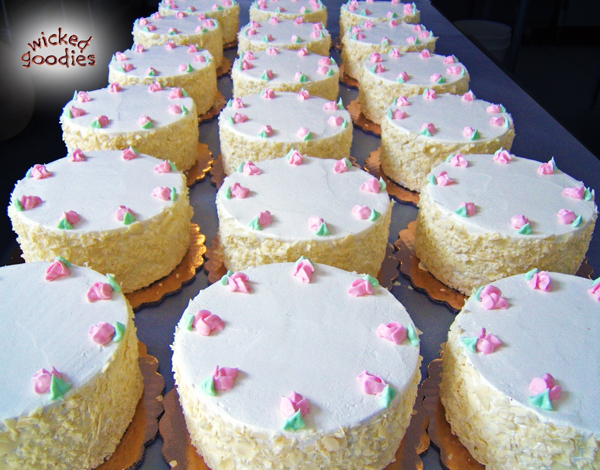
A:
x,y
230,120
345,124
184,93
28,174
172,165
119,332
264,135
265,39
264,76
129,218
340,103
74,95
470,344
374,215
588,196
302,258
208,386
58,387
383,185
69,114
148,125
374,69
174,194
529,274
372,280
387,395
65,225
330,72
363,13
425,132
308,136
596,282
525,230
417,41
462,211
299,40
225,279
188,321
228,192
64,261
441,80
323,230
401,80
432,179
394,15
294,422
542,400
204,30
240,168
303,78
348,163
390,114
96,124
386,42
475,135
184,110
552,162
255,224
477,293
113,282
450,157
152,73
577,221
413,337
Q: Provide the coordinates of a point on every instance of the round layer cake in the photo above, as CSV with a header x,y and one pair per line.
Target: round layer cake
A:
x,y
290,71
294,374
388,76
181,29
284,34
126,216
162,122
185,67
419,132
354,12
266,126
369,37
520,381
312,11
67,395
226,12
486,217
324,209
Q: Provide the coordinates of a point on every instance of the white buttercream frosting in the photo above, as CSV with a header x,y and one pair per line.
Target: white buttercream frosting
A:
x,y
398,35
293,194
296,7
501,191
288,336
200,6
285,113
552,332
46,324
95,188
450,114
282,33
376,10
124,109
185,26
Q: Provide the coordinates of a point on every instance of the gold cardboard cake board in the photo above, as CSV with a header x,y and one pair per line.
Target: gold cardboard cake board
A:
x,y
347,79
225,67
399,193
217,107
203,164
215,266
230,45
180,454
172,283
143,428
359,119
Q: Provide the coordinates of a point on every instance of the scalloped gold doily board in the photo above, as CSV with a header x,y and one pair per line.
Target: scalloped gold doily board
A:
x,y
203,164
399,193
225,68
143,428
359,119
217,107
347,79
172,283
180,454
215,267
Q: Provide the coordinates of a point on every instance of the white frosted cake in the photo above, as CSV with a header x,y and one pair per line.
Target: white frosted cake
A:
x,y
313,370
118,212
521,376
385,77
361,41
171,65
354,12
324,209
181,29
284,34
162,122
486,217
266,126
312,11
290,71
70,375
419,132
226,12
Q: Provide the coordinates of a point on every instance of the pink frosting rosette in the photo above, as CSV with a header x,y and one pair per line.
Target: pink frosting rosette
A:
x,y
71,216
77,156
251,169
487,343
268,94
292,403
29,202
361,287
375,57
394,332
459,160
340,166
361,212
468,96
161,192
42,380
398,114
540,280
239,191
576,193
566,216
315,222
76,112
56,270
519,221
176,93
502,156
129,154
295,158
491,298
223,378
102,333
303,94
304,270
156,86
371,384
163,167
443,179
238,282
454,70
335,120
267,129
371,186
100,291
547,382
121,211
205,323
40,172
175,109
114,87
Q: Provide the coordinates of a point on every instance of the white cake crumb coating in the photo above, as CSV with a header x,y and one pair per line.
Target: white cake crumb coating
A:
x,y
353,13
466,253
486,397
293,194
50,329
270,336
310,11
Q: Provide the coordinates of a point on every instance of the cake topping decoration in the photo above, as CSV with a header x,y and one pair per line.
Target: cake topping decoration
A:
x,y
205,323
261,220
114,87
221,379
519,221
361,287
545,391
495,108
83,97
59,268
502,156
342,166
539,280
130,153
565,216
172,31
77,156
52,382
249,168
468,96
139,48
374,385
466,209
100,122
294,158
125,215
151,71
486,343
145,122
491,298
177,93
119,56
268,94
331,106
304,133
548,168
294,406
455,70
69,220
385,41
497,121
267,75
193,48
164,194
238,191
437,78
471,133
170,45
303,94
361,212
128,67
102,333
239,118
38,172
238,282
304,270
375,57
274,20
595,289
373,185
165,167
249,55
100,291
76,112
394,332
158,16
443,179
27,202
458,160
265,131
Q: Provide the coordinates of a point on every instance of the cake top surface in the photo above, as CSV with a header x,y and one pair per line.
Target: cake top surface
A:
x,y
195,7
391,33
175,25
286,113
46,324
415,68
124,110
96,188
553,332
161,61
281,33
450,118
370,9
501,191
286,335
288,66
297,7
294,194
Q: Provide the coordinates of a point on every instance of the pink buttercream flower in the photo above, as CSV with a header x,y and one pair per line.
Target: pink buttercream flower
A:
x,y
292,403
367,24
176,93
163,167
394,332
175,109
238,118
468,96
161,192
151,71
541,384
299,19
170,45
303,94
295,158
540,280
121,211
315,222
40,172
331,106
100,291
449,59
317,26
519,221
129,154
491,298
425,54
151,27
315,34
119,56
223,378
497,121
494,108
77,156
360,35
411,39
352,7
193,49
545,168
340,166
336,120
173,31
205,323
55,270
361,212
469,206
181,14
274,20
139,48
158,16
208,23
565,216
72,217
576,193
268,94
267,129
249,55
262,5
502,156
371,186
435,77
83,97
595,291
237,103
42,380
430,94
238,191
143,21
76,112
227,3
238,282
487,343
247,65
325,61
379,68
367,11
29,202
251,169
272,51
443,179
394,22
424,34
395,53
323,70
428,126
304,271
184,67
102,333
408,9
143,120
371,384
402,101
103,120
454,70
254,24
265,218
269,74
468,132
459,160
361,287
302,132
356,29
114,87
398,114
